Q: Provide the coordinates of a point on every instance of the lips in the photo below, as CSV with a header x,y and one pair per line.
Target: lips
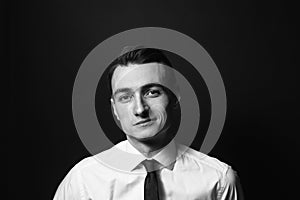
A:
x,y
142,122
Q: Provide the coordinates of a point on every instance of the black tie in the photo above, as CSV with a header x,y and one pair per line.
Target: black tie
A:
x,y
151,181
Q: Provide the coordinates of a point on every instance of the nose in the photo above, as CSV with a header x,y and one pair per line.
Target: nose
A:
x,y
140,107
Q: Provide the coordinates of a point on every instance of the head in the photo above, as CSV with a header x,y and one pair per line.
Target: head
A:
x,y
140,83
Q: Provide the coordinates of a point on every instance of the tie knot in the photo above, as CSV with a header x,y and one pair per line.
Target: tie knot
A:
x,y
151,165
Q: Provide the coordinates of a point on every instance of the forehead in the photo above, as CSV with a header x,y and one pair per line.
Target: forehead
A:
x,y
137,75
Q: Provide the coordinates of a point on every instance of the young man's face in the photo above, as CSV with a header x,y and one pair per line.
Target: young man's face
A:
x,y
139,101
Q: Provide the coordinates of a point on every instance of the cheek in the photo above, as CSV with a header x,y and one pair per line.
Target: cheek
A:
x,y
122,112
159,111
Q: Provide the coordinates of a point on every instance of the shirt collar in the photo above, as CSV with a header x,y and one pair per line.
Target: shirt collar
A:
x,y
166,156
124,157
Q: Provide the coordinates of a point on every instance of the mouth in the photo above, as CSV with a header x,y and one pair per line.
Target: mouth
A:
x,y
143,122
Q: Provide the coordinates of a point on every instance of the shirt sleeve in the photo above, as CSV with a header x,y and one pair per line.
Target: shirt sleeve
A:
x,y
230,187
71,188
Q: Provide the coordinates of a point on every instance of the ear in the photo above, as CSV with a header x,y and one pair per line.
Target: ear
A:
x,y
114,108
176,104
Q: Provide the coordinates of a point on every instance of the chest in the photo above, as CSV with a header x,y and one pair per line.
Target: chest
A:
x,y
172,186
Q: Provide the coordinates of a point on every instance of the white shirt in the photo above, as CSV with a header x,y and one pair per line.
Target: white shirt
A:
x,y
193,175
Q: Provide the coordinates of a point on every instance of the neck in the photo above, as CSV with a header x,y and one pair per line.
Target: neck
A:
x,y
149,147
144,148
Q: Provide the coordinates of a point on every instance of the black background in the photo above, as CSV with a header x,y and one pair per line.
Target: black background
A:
x,y
253,43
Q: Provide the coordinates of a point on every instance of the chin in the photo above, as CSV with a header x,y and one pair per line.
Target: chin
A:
x,y
145,135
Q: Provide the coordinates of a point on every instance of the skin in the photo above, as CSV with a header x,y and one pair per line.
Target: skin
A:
x,y
140,104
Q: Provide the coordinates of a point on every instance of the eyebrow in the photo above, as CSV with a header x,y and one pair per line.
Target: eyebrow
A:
x,y
152,85
124,90
121,90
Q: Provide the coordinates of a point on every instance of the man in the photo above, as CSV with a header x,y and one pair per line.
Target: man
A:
x,y
149,164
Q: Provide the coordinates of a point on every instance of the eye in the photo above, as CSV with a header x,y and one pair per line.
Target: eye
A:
x,y
152,93
124,98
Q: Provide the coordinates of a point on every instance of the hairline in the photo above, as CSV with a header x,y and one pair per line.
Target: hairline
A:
x,y
129,64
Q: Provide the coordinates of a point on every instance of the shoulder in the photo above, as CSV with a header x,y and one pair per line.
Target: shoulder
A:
x,y
82,171
94,163
206,164
202,160
72,186
74,176
209,167
97,160
84,164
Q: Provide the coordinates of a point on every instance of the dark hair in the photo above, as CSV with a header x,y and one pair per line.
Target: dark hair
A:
x,y
137,56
